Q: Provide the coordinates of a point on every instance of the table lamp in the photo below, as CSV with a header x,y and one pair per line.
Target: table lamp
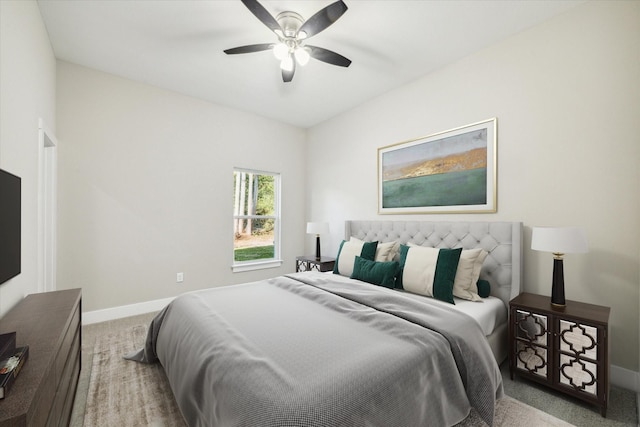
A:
x,y
559,241
318,228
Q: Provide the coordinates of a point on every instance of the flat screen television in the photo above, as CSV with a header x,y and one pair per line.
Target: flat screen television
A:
x,y
10,233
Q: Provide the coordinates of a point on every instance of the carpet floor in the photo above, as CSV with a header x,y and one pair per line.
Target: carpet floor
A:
x,y
113,391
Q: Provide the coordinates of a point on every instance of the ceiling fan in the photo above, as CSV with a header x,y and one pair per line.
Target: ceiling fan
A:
x,y
292,32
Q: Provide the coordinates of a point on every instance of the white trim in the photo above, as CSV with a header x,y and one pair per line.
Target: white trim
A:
x,y
113,313
625,378
256,265
47,207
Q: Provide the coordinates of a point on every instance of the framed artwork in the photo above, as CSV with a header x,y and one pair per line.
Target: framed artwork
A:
x,y
448,172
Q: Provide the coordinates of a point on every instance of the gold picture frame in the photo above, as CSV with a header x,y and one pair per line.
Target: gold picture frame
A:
x,y
454,171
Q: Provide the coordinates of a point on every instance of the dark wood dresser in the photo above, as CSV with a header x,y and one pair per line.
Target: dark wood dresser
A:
x,y
44,391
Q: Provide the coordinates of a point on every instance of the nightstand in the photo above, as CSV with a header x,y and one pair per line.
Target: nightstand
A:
x,y
309,262
566,348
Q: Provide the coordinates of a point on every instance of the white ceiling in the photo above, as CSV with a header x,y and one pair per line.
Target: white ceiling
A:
x,y
178,45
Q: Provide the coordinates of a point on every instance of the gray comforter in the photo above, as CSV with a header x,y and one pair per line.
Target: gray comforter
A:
x,y
311,349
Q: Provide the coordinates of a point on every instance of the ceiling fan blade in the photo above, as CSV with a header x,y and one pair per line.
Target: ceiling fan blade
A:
x,y
262,14
287,75
328,56
249,48
322,19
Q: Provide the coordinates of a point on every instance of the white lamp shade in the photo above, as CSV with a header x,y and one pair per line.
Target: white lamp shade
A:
x,y
563,240
317,228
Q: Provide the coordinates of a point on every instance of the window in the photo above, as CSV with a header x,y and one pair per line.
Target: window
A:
x,y
256,220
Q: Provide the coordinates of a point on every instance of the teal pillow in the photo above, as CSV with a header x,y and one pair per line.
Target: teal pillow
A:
x,y
484,288
377,273
368,251
446,274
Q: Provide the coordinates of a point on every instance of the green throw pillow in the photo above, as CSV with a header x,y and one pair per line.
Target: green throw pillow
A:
x,y
417,262
369,250
377,273
446,274
350,250
484,288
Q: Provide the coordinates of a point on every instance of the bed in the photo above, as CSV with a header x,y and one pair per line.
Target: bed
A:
x,y
502,267
322,349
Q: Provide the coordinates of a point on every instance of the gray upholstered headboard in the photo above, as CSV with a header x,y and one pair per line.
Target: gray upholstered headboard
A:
x,y
503,240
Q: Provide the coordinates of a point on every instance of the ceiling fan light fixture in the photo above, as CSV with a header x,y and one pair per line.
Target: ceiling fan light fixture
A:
x,y
281,51
302,56
287,63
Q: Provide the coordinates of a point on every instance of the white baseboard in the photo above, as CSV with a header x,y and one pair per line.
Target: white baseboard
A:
x,y
113,313
625,378
620,377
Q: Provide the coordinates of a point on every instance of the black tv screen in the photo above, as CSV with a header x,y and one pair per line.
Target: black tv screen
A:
x,y
10,233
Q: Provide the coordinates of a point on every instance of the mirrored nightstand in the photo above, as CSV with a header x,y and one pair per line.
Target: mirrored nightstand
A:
x,y
310,262
567,348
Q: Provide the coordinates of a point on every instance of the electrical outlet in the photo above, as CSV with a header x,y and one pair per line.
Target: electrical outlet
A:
x,y
180,277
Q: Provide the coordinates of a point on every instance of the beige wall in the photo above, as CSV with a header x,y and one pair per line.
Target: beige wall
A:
x,y
146,188
27,94
566,94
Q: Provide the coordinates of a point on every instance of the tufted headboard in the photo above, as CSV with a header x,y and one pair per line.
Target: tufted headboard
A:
x,y
503,240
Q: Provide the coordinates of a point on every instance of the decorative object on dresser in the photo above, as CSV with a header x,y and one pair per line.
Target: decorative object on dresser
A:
x,y
308,263
7,345
566,349
10,367
50,323
318,228
559,241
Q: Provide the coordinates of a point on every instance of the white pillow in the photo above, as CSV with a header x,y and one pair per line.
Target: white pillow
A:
x,y
347,256
465,286
384,251
419,270
387,251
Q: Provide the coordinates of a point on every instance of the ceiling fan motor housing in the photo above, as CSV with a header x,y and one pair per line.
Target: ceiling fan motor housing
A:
x,y
290,23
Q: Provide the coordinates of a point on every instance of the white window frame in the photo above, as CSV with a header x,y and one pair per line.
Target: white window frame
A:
x,y
276,261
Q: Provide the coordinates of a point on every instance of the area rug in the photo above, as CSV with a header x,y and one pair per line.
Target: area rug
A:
x,y
125,393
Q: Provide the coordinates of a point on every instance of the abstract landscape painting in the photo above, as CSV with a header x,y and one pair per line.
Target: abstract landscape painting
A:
x,y
452,171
